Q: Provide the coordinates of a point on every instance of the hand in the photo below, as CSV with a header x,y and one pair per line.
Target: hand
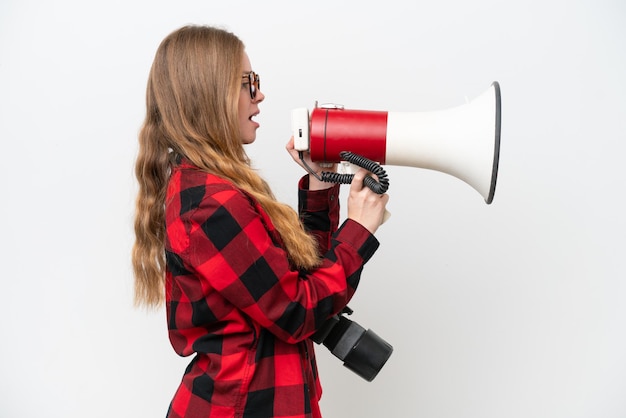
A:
x,y
314,183
365,206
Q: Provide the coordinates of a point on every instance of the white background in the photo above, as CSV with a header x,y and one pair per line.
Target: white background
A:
x,y
514,309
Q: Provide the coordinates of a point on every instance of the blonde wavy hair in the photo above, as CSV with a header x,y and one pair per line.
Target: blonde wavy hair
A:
x,y
192,111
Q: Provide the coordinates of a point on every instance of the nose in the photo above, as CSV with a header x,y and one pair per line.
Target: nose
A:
x,y
259,96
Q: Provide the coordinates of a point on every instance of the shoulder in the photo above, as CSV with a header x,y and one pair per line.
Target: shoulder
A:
x,y
184,178
190,189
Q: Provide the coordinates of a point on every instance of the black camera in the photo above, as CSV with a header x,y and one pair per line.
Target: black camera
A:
x,y
363,352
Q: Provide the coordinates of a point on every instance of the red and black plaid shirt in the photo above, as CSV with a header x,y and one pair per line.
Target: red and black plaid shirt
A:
x,y
234,300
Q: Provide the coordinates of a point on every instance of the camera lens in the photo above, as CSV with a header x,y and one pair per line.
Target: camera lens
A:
x,y
368,356
363,352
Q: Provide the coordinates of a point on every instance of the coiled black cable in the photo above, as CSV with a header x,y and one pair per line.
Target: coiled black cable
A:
x,y
378,187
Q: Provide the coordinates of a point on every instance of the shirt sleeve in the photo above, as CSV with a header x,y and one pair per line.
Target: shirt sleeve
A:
x,y
225,242
319,212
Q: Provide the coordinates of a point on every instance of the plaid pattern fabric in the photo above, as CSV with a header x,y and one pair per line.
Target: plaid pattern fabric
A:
x,y
235,302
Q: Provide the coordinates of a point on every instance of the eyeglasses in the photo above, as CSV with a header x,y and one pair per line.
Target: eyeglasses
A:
x,y
254,83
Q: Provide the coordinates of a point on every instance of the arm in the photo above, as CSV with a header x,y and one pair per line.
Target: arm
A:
x,y
226,244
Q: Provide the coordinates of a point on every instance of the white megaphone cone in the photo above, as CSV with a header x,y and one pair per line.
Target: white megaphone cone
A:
x,y
463,141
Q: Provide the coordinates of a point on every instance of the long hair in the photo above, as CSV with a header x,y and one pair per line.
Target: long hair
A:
x,y
192,111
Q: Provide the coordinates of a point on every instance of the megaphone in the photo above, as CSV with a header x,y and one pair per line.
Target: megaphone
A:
x,y
463,141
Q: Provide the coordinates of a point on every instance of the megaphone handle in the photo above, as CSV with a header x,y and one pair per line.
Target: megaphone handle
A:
x,y
379,186
386,216
347,167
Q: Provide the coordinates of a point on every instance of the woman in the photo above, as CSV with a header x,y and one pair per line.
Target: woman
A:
x,y
247,281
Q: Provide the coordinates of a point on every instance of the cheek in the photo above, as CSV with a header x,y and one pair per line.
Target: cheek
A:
x,y
243,101
243,115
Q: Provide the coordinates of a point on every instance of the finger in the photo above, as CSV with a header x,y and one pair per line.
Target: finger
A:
x,y
357,181
290,144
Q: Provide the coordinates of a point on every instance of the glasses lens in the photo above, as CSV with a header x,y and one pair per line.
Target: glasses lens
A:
x,y
252,81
